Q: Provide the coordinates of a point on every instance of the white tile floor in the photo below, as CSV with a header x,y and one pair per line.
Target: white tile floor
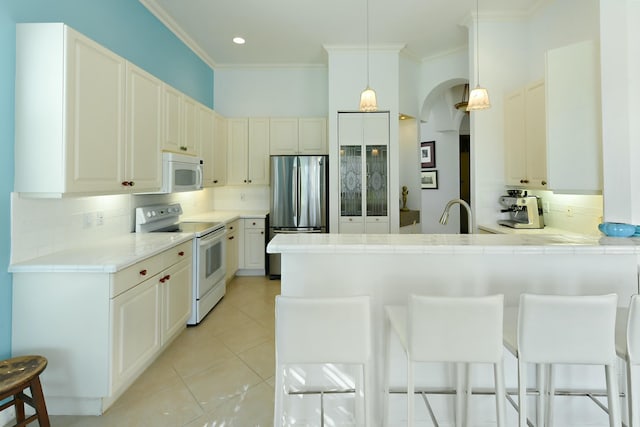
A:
x,y
219,373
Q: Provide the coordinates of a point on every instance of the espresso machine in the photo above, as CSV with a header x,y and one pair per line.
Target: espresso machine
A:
x,y
524,211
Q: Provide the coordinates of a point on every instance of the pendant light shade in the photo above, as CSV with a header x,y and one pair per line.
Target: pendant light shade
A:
x,y
368,101
479,97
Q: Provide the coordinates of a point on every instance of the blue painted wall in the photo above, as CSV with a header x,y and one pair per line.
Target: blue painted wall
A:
x,y
125,27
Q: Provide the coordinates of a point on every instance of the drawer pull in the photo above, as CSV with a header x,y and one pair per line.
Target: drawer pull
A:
x,y
143,272
231,237
181,253
165,278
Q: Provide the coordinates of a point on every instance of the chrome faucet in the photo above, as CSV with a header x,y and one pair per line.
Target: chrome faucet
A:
x,y
445,215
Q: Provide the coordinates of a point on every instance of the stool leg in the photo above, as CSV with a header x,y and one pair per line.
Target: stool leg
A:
x,y
19,407
467,397
541,376
522,394
460,387
38,401
410,392
550,396
279,388
632,396
498,370
613,395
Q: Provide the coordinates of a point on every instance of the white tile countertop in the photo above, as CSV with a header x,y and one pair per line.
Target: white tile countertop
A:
x,y
224,216
501,229
453,244
107,256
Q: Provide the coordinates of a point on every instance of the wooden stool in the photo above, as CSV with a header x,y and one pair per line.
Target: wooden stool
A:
x,y
15,376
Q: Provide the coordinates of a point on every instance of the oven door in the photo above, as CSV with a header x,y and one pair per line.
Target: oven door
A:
x,y
212,261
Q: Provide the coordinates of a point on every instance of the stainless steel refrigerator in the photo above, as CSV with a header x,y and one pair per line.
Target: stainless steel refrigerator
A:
x,y
299,199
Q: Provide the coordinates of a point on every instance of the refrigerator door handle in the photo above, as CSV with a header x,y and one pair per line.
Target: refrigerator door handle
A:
x,y
298,184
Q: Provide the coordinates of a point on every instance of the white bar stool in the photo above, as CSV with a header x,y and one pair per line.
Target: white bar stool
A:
x,y
461,330
553,329
322,331
628,348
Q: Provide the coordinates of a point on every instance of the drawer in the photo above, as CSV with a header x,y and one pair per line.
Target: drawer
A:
x,y
254,223
177,254
137,273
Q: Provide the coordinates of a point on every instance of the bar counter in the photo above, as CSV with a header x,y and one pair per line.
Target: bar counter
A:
x,y
390,267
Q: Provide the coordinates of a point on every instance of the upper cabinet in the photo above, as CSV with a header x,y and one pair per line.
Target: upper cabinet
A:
x,y
574,121
553,127
89,122
181,128
66,140
248,151
304,135
525,138
213,145
144,130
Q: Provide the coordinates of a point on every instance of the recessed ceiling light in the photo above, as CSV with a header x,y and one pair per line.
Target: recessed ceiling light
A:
x,y
238,40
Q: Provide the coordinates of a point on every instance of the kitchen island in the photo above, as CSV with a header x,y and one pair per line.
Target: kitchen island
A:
x,y
390,267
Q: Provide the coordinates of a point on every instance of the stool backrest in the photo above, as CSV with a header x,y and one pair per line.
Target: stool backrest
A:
x,y
633,330
323,330
455,329
567,329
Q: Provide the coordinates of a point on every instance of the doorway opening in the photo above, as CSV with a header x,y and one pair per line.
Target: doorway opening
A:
x,y
465,180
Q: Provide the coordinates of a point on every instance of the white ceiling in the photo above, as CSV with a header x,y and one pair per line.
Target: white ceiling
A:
x,y
293,32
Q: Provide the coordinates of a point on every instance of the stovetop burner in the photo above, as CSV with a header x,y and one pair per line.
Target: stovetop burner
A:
x,y
166,219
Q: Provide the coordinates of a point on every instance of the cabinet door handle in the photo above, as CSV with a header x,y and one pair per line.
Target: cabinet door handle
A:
x,y
254,223
262,232
249,181
165,278
181,253
125,183
544,182
143,272
231,237
524,181
215,181
131,183
245,180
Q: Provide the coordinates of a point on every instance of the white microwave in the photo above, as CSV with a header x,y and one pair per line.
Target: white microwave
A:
x,y
181,173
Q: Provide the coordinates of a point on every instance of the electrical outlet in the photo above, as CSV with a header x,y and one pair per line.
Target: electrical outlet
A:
x,y
87,220
99,218
569,211
545,207
242,197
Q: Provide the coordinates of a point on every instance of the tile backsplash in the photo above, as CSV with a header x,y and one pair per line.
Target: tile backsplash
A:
x,y
575,213
43,226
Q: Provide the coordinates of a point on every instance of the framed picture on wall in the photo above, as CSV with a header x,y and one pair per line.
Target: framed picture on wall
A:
x,y
429,180
428,154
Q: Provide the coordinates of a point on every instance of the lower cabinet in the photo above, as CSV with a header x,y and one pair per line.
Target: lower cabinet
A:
x,y
99,331
253,247
232,248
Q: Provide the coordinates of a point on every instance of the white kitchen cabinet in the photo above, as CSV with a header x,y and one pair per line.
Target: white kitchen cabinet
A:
x,y
180,123
66,142
254,246
304,135
363,140
219,177
136,329
574,136
206,136
283,135
143,162
98,330
525,137
176,289
233,248
248,151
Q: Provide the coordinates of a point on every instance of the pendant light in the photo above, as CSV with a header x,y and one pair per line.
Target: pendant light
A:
x,y
479,97
368,102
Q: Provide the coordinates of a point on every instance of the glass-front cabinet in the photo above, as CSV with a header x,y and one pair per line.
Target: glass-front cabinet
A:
x,y
364,180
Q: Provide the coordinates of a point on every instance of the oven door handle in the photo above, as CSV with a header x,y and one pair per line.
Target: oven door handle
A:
x,y
212,238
